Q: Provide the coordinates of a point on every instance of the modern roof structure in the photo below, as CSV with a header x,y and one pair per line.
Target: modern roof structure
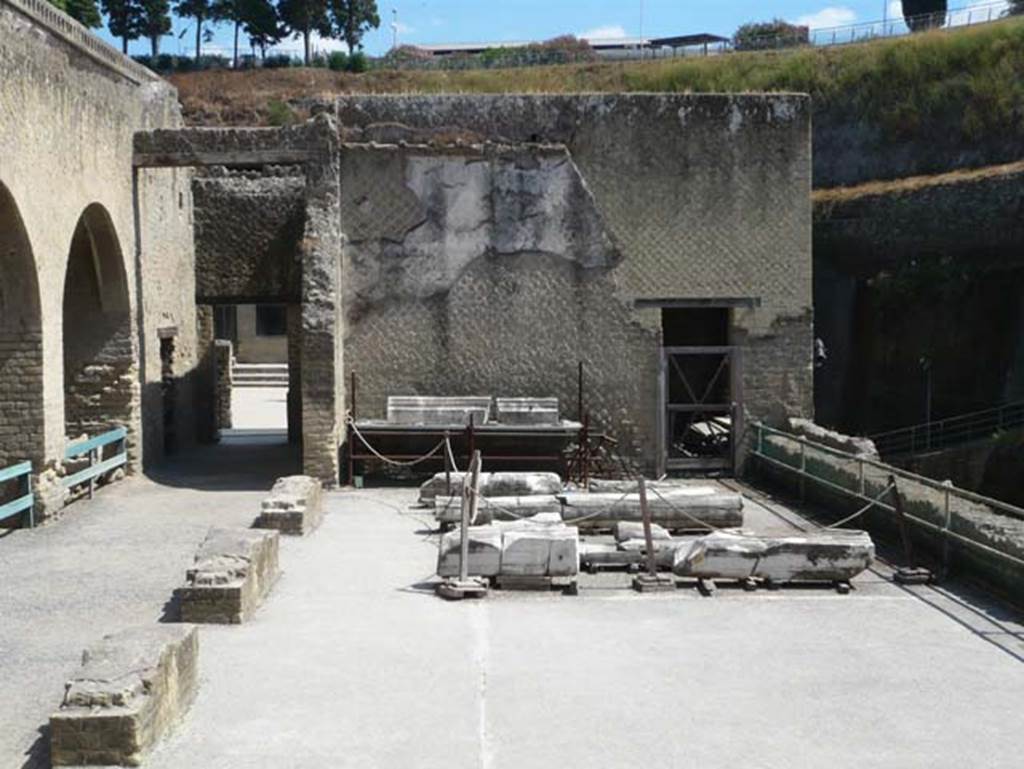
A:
x,y
598,43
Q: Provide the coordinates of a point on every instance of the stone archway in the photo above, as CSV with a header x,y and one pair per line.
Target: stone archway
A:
x,y
21,342
100,369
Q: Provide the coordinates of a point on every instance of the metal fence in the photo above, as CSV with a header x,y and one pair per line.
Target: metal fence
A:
x,y
943,433
24,501
960,518
794,39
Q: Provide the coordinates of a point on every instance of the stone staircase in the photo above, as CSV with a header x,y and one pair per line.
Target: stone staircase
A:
x,y
259,375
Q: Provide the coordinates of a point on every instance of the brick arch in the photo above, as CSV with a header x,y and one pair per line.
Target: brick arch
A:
x,y
21,341
100,369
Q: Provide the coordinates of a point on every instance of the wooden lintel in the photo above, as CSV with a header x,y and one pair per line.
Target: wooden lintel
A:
x,y
230,158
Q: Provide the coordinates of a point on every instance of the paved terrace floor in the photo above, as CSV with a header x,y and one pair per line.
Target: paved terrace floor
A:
x,y
352,662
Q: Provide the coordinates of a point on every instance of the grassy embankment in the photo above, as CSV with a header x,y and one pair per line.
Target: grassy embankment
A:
x,y
967,80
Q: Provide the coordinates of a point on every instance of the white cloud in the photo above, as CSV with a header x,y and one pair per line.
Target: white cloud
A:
x,y
603,32
404,29
833,16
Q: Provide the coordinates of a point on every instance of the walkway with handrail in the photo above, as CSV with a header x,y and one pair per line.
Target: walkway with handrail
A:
x,y
950,431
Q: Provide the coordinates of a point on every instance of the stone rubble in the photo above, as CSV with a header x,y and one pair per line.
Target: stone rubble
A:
x,y
233,571
295,506
131,688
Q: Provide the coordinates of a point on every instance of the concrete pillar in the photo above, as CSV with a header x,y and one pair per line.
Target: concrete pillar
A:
x,y
323,397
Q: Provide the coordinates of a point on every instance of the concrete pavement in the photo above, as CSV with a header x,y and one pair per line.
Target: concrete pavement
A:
x,y
353,663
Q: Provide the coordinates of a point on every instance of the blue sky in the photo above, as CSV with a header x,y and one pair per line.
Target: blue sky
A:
x,y
445,21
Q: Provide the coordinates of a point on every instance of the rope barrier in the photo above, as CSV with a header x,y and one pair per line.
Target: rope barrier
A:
x,y
451,455
702,524
394,462
863,510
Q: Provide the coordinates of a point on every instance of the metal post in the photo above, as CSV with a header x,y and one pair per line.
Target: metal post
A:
x,y
470,492
579,392
803,471
93,460
447,464
349,440
947,526
352,377
652,565
585,447
32,507
471,440
897,503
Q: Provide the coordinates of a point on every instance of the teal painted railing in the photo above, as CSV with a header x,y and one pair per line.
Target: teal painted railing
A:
x,y
93,447
24,503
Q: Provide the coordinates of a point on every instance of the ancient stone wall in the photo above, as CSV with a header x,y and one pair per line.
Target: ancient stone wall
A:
x,y
461,290
930,268
67,116
257,261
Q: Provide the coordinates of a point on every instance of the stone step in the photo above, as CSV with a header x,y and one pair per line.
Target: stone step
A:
x,y
249,368
259,381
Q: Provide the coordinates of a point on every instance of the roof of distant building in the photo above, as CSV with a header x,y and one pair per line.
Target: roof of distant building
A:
x,y
597,43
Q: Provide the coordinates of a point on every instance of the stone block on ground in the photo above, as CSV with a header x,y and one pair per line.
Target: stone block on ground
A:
x,y
436,410
527,411
511,484
295,506
484,552
819,556
131,688
233,571
449,509
679,509
626,530
540,551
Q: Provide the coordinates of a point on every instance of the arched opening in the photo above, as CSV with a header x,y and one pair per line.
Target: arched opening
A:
x,y
100,374
21,342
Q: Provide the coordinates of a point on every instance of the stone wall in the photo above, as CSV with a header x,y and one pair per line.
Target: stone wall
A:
x,y
257,261
67,118
926,268
676,197
222,394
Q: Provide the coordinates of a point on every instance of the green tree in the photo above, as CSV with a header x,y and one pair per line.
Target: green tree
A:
x,y
261,24
303,18
154,22
123,19
203,11
351,19
84,12
1016,7
924,14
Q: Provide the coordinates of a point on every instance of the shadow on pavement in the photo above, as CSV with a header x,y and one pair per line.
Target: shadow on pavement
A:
x,y
243,461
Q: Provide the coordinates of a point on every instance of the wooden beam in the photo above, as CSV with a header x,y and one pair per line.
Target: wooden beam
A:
x,y
230,158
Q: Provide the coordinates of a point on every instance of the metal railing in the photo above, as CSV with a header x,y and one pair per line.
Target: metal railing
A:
x,y
786,40
953,431
873,30
98,465
62,25
954,514
25,503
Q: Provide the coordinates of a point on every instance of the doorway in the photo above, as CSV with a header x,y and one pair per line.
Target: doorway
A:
x,y
700,403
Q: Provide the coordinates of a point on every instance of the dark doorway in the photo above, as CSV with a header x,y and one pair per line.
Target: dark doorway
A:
x,y
699,375
168,391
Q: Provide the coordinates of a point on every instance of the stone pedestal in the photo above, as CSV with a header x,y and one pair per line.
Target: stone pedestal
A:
x,y
131,688
234,570
295,506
